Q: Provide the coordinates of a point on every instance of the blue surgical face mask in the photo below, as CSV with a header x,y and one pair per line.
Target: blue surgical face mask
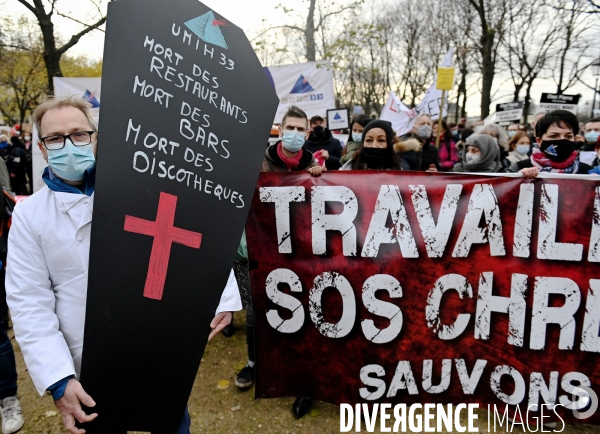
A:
x,y
511,134
522,149
71,162
293,140
592,136
357,137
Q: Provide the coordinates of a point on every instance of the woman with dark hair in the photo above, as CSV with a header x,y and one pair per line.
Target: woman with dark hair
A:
x,y
555,149
377,150
519,147
354,137
447,150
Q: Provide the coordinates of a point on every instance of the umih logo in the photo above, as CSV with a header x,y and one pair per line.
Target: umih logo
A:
x,y
91,98
207,28
302,86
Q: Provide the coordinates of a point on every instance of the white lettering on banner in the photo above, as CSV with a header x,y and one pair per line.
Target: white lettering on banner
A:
x,y
515,307
428,374
523,222
293,324
542,315
567,385
483,201
435,236
563,316
594,250
389,202
548,248
346,322
403,380
373,377
381,308
538,386
370,381
469,382
432,311
343,222
519,392
590,341
282,197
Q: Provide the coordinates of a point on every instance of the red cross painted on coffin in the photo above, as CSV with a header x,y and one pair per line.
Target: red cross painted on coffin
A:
x,y
164,234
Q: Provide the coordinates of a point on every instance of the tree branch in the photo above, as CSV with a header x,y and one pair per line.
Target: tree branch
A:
x,y
73,19
75,38
28,6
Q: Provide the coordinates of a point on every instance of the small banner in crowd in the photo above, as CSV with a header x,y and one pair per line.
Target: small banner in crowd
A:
x,y
509,112
306,85
185,116
549,102
415,288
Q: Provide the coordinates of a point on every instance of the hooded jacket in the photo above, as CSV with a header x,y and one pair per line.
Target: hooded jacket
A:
x,y
272,162
327,143
414,156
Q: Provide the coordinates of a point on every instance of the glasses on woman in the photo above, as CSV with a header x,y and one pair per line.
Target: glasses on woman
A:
x,y
78,138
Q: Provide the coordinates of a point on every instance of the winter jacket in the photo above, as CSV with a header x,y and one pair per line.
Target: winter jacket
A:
x,y
329,144
448,154
47,280
351,149
416,156
272,162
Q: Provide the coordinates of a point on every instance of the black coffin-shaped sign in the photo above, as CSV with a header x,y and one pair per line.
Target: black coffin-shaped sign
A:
x,y
184,121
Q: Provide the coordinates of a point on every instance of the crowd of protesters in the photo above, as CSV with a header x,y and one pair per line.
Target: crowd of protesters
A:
x,y
555,142
16,163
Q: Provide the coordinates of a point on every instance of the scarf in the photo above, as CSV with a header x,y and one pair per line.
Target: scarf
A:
x,y
54,183
290,162
539,160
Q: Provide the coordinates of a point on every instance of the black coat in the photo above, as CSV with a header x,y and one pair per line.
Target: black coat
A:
x,y
329,144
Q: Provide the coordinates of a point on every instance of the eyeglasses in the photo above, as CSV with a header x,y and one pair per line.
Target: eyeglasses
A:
x,y
78,138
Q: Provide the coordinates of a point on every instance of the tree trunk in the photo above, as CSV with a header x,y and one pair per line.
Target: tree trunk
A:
x,y
51,56
310,33
487,44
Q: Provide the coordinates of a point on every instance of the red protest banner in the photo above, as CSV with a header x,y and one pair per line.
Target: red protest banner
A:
x,y
415,288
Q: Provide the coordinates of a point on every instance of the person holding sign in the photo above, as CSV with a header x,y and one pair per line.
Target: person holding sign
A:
x,y
287,155
377,151
49,242
555,149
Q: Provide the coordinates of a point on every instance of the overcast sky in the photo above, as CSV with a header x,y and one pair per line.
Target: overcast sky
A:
x,y
249,15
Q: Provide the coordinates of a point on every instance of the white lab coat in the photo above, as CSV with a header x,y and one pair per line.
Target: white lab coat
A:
x,y
46,282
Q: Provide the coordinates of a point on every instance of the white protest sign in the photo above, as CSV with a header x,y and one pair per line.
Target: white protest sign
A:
x,y
306,85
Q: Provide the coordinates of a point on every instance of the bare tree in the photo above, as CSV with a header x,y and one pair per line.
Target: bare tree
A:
x,y
578,39
493,16
529,43
44,11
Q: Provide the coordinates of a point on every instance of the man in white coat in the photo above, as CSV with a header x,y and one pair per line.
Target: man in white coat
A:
x,y
48,257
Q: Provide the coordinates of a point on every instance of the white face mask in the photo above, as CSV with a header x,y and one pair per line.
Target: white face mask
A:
x,y
472,158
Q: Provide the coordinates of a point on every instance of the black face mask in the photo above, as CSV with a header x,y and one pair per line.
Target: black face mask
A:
x,y
319,131
558,150
376,158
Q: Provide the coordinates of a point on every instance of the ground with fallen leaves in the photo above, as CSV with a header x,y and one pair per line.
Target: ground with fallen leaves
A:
x,y
216,405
